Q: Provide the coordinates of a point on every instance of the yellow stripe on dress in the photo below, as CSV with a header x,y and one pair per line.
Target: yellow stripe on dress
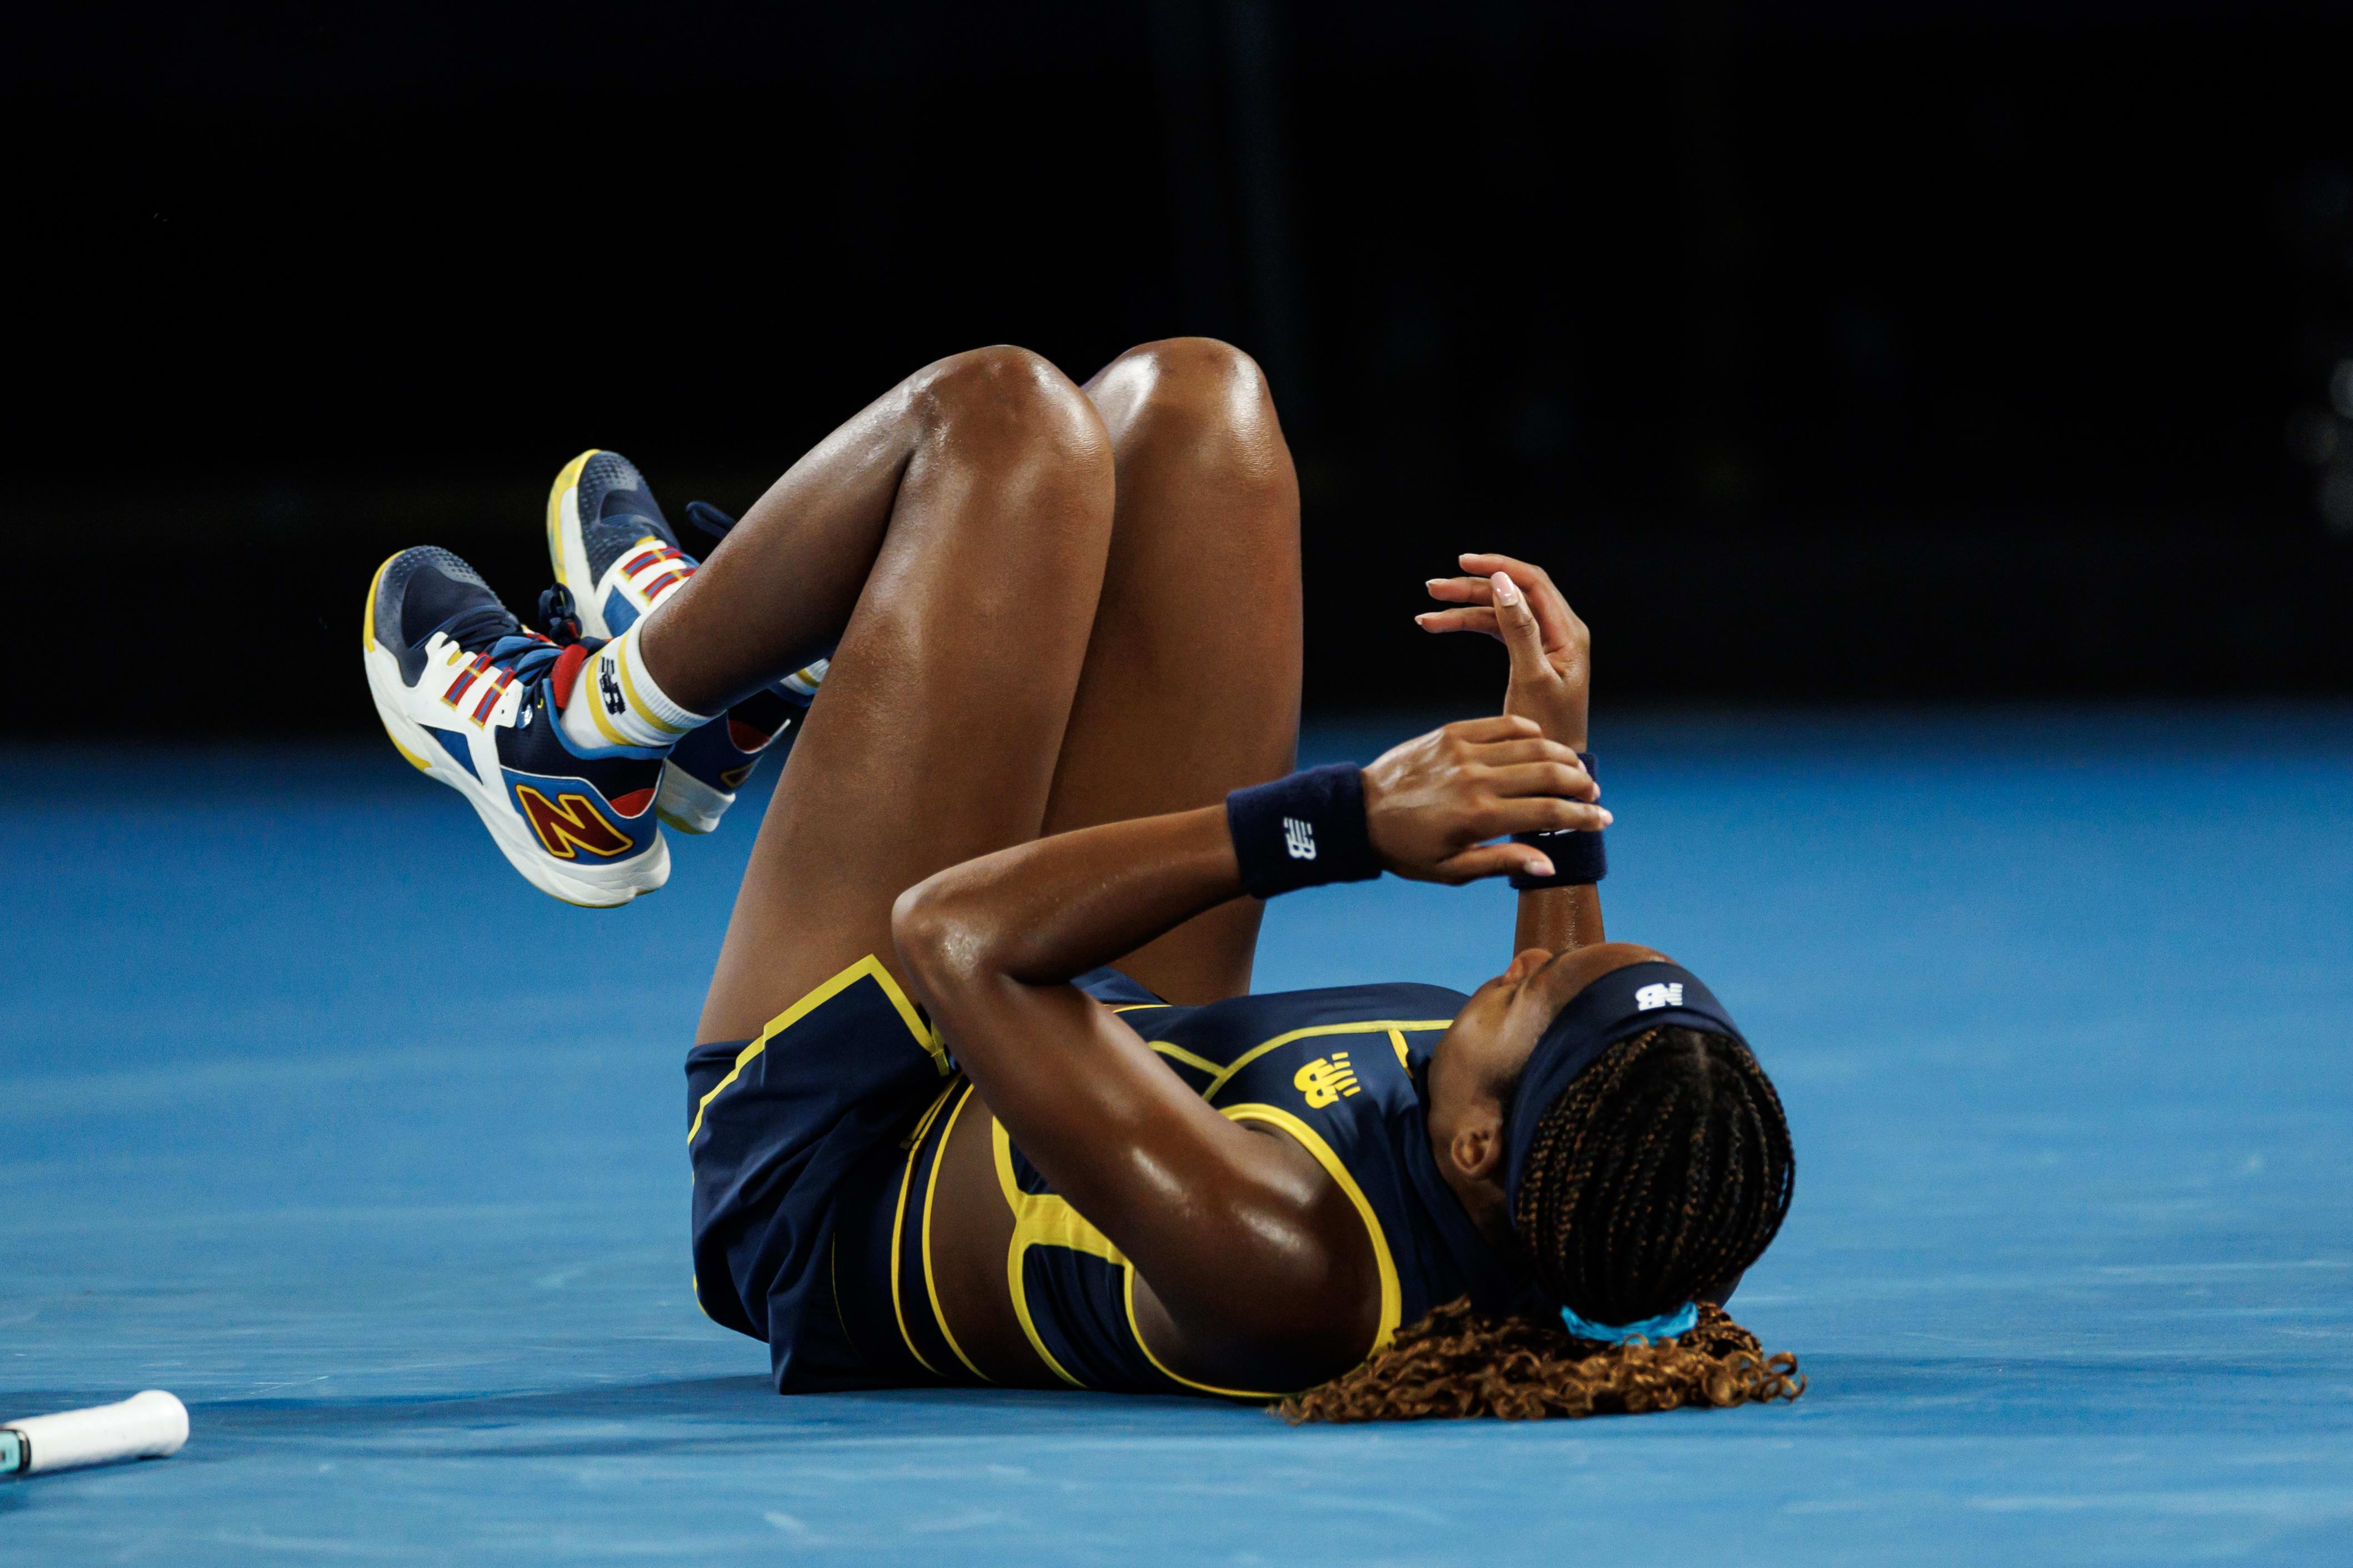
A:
x,y
898,1223
1047,1219
1199,1064
1368,1026
1042,1220
1136,1331
931,1286
1392,1294
867,967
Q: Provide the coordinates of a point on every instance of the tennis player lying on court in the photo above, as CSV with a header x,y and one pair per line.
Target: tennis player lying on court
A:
x,y
982,1096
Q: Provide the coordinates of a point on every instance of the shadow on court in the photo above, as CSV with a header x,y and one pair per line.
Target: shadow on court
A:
x,y
313,1113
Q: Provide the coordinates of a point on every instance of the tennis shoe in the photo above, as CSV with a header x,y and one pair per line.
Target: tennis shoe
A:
x,y
471,699
610,545
617,555
706,768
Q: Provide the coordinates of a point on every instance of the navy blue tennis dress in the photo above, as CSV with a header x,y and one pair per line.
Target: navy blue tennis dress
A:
x,y
815,1148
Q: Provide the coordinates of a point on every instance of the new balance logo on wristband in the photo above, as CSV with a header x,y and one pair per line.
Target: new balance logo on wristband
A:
x,y
1651,997
611,689
1301,831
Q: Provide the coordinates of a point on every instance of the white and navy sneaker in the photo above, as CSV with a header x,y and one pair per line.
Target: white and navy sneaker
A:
x,y
471,699
706,768
609,544
616,556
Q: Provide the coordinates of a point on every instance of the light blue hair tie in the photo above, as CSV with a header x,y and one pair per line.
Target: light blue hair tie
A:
x,y
1682,1320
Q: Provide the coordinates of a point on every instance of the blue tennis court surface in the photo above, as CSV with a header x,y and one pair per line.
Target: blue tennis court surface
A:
x,y
311,1111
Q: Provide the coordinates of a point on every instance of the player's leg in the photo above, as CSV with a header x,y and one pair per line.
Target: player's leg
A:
x,y
1191,682
955,533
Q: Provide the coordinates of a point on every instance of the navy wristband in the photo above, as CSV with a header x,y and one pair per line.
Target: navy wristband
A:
x,y
1301,831
1579,858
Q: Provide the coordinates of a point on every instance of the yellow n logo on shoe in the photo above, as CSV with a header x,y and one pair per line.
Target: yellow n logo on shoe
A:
x,y
1325,1080
569,821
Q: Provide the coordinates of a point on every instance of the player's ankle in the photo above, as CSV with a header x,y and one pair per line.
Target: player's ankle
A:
x,y
618,702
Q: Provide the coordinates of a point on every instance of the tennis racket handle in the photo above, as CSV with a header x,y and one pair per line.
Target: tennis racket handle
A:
x,y
144,1427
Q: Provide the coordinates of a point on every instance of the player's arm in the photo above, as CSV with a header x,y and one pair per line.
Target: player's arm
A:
x,y
1552,675
1196,1201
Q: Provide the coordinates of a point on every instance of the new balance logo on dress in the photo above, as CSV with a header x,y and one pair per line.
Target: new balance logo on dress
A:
x,y
1325,1080
1298,838
1655,996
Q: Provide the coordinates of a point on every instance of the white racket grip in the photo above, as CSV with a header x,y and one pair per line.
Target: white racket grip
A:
x,y
144,1427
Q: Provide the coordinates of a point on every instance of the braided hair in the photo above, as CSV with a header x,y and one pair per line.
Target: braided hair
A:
x,y
1662,1170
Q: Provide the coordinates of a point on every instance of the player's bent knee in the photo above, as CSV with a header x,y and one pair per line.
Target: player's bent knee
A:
x,y
1008,401
1210,394
1208,367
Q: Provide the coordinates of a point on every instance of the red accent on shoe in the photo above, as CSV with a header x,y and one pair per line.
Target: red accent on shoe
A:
x,y
633,804
567,675
746,737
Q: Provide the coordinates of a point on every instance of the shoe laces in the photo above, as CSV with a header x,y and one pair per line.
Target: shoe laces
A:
x,y
559,615
498,641
709,519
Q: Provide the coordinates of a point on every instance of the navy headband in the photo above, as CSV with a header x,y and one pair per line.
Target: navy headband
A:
x,y
1622,1003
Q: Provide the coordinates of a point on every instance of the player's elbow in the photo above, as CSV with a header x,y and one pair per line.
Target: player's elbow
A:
x,y
939,940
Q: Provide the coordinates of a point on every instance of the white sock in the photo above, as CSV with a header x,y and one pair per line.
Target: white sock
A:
x,y
803,682
617,701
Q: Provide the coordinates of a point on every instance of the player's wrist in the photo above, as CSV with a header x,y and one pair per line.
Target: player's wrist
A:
x,y
1579,858
1302,831
1561,721
1573,737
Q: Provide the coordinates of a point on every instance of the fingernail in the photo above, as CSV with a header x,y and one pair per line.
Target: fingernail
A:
x,y
1607,819
1542,867
1507,591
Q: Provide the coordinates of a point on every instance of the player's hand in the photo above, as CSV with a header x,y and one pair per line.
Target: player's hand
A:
x,y
1552,652
1431,803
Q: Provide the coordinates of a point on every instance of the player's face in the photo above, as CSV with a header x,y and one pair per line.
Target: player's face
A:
x,y
1496,1029
1481,1055
1474,1069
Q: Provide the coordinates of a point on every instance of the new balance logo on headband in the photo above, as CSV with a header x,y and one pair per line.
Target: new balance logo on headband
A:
x,y
1650,997
1298,838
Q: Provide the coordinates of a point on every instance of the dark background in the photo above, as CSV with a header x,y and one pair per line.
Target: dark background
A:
x,y
1827,353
